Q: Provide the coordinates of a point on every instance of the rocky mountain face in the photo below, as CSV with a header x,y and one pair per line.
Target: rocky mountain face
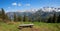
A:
x,y
42,13
45,13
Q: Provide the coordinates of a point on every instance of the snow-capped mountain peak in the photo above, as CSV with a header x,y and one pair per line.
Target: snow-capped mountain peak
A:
x,y
50,9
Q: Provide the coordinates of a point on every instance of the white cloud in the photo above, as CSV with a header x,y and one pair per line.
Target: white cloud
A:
x,y
14,3
27,4
19,4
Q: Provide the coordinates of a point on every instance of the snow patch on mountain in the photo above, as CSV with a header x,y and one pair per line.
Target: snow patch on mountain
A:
x,y
50,9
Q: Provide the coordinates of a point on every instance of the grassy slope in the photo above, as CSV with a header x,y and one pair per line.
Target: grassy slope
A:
x,y
37,26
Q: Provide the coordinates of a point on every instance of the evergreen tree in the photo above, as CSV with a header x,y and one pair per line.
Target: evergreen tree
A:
x,y
15,18
25,18
58,19
3,14
54,18
0,15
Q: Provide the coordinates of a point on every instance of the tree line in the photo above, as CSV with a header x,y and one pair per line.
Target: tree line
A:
x,y
18,18
5,18
54,19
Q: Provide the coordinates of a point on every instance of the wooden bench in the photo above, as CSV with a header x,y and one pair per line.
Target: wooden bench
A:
x,y
25,26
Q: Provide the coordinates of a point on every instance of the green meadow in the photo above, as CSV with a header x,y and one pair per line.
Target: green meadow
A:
x,y
38,26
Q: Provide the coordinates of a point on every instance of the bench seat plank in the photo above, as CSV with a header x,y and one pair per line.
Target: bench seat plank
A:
x,y
27,25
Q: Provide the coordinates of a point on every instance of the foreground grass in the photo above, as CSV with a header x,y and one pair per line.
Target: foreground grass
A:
x,y
13,26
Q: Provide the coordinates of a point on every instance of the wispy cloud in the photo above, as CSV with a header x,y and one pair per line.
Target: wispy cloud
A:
x,y
19,4
14,3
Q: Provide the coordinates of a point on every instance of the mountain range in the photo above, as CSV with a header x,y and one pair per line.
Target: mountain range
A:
x,y
44,12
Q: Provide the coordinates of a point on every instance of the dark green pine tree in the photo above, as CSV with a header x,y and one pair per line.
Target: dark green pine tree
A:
x,y
0,14
58,19
3,14
54,18
25,18
15,18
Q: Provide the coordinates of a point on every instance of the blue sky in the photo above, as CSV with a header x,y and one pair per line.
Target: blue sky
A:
x,y
21,5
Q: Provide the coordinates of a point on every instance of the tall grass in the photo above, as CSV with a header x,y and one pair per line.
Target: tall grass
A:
x,y
13,26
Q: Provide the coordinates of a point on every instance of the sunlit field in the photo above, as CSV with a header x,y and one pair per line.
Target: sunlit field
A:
x,y
38,26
